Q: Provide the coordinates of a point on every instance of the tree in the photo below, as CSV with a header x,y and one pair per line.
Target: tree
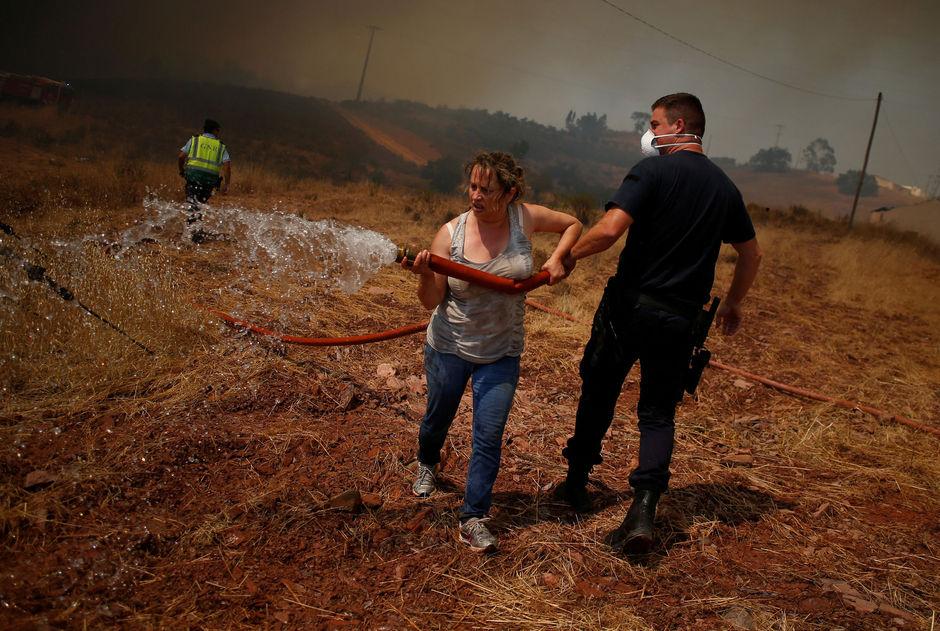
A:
x,y
774,160
570,119
590,126
820,156
848,182
443,174
641,121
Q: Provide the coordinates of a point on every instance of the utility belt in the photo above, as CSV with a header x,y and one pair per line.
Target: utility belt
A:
x,y
683,308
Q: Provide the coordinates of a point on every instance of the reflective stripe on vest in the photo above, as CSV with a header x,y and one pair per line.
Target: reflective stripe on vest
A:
x,y
205,154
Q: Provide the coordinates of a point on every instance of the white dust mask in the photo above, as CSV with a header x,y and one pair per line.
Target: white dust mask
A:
x,y
650,149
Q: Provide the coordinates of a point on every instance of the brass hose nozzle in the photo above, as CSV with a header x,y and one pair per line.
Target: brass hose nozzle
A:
x,y
406,252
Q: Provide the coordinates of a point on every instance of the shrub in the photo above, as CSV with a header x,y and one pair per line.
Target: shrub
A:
x,y
847,183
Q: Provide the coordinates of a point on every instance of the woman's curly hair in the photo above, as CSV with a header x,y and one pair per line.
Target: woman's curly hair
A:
x,y
508,173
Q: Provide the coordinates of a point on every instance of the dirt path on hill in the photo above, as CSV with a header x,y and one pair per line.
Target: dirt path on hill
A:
x,y
399,141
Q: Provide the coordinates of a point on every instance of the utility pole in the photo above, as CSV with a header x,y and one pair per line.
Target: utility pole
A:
x,y
365,64
861,178
779,131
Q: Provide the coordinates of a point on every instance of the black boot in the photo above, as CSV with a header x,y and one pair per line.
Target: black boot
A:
x,y
573,491
635,534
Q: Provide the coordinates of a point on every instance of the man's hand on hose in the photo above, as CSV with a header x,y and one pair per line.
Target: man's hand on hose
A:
x,y
420,264
729,317
569,262
557,272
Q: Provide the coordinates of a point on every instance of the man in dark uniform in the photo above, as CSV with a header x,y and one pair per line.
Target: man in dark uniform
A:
x,y
679,208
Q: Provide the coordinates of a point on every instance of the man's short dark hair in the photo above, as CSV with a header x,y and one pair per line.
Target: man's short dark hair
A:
x,y
211,126
685,106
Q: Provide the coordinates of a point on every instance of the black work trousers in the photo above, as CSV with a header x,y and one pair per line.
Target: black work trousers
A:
x,y
623,332
199,190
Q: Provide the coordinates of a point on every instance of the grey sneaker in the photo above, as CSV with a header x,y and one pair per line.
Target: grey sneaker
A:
x,y
424,481
475,534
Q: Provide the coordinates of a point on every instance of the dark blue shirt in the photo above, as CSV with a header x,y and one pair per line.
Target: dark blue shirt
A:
x,y
683,206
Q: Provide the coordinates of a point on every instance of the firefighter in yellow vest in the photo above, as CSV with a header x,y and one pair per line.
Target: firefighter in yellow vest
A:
x,y
205,163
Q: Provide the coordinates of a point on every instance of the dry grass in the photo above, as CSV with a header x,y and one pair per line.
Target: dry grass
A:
x,y
883,278
222,448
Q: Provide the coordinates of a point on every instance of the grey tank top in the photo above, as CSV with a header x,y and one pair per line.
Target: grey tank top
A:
x,y
477,324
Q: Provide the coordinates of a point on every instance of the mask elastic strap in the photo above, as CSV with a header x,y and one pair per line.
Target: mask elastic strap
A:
x,y
677,144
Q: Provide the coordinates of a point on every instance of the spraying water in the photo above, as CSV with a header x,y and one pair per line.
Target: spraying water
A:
x,y
276,243
278,252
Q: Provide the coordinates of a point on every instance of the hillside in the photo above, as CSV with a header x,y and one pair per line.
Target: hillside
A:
x,y
287,134
814,191
231,481
567,163
560,162
392,142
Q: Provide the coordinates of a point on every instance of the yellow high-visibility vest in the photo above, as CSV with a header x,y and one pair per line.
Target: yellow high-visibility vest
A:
x,y
205,155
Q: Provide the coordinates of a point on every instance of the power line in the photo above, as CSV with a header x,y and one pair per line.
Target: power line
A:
x,y
731,63
897,144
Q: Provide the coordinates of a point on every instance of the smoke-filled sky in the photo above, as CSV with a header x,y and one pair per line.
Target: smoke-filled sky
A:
x,y
539,59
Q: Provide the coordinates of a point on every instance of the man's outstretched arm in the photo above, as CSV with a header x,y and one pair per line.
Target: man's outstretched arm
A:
x,y
602,235
729,314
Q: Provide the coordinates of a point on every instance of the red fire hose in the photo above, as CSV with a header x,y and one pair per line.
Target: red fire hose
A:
x,y
381,336
508,285
842,403
484,279
436,263
554,312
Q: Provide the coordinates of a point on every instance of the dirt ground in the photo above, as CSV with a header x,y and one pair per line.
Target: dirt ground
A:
x,y
252,484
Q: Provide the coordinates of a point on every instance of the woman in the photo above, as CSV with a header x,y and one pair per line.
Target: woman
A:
x,y
477,334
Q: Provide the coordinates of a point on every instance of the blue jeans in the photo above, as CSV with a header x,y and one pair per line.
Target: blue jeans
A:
x,y
493,388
